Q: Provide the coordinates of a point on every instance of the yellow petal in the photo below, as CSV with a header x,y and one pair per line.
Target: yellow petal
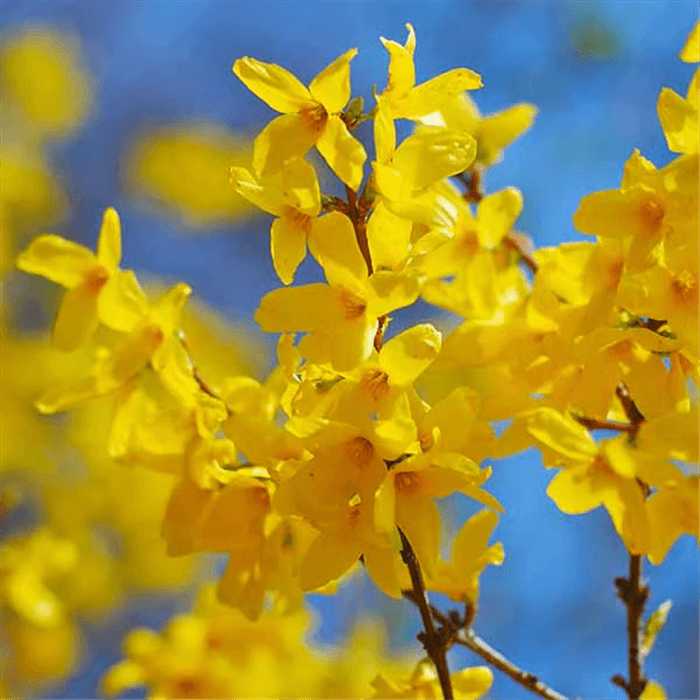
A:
x,y
167,309
679,120
472,539
77,318
121,676
391,291
57,259
273,84
389,238
283,139
384,566
328,558
472,683
577,490
419,518
343,152
287,247
431,155
122,303
306,308
247,186
498,130
109,244
331,87
497,214
691,50
183,516
384,132
430,96
385,505
625,504
634,212
334,244
562,433
407,355
402,72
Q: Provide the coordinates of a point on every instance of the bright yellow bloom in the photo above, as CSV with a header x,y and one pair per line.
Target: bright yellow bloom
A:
x,y
492,133
471,554
341,316
310,116
292,195
410,101
97,289
469,684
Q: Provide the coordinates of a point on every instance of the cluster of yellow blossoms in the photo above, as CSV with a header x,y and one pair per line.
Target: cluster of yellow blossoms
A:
x,y
336,458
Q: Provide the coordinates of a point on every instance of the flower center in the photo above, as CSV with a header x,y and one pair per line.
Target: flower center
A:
x,y
352,307
359,451
315,117
652,213
375,383
407,482
685,285
96,278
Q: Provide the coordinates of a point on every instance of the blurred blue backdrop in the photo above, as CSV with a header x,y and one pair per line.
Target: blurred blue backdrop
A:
x,y
594,69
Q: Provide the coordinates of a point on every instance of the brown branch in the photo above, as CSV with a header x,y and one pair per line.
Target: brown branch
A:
x,y
634,595
434,642
630,590
528,680
511,242
473,182
595,424
456,630
360,226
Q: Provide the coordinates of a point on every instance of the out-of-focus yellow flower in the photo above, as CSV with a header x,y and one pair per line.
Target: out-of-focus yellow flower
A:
x,y
44,77
310,116
97,289
184,170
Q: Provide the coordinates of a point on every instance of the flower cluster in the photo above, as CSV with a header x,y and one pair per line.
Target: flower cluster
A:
x,y
337,457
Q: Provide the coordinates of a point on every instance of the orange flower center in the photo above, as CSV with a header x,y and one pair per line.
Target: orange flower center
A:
x,y
407,482
96,278
352,307
359,451
375,383
301,220
315,117
652,213
685,286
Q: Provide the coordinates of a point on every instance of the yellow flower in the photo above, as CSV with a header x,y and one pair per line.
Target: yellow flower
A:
x,y
492,133
469,684
310,116
97,289
341,316
410,101
292,195
471,554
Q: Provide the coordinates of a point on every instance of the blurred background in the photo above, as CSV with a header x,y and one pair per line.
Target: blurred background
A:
x,y
134,105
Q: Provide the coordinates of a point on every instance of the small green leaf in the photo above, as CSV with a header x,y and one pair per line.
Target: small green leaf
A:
x,y
653,626
355,107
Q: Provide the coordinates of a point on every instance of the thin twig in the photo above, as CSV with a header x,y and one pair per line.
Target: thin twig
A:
x,y
595,424
456,630
528,680
358,221
634,595
630,590
434,642
511,242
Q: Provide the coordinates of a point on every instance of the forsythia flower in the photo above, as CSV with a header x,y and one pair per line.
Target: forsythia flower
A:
x,y
97,289
310,116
